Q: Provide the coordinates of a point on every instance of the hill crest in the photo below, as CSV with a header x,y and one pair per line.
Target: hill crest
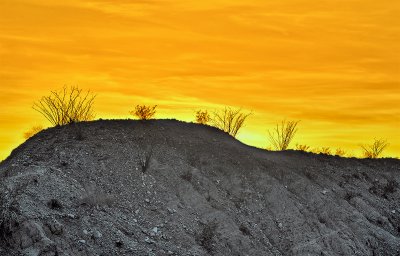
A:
x,y
81,190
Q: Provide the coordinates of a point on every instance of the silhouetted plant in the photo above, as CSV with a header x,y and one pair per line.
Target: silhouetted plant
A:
x,y
283,134
229,120
144,112
326,151
34,130
145,158
340,152
375,149
302,147
66,106
315,150
202,117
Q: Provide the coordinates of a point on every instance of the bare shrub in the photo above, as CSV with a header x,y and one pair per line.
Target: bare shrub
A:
x,y
283,134
375,149
302,147
31,132
144,112
202,117
326,151
316,150
207,236
66,106
145,158
340,152
229,120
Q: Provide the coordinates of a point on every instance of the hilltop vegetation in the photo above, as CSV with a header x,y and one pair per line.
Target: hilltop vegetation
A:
x,y
72,105
164,187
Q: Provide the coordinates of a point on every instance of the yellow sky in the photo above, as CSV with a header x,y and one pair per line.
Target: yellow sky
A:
x,y
333,64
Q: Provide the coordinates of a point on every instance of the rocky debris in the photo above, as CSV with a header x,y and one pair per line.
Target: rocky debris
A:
x,y
203,193
55,227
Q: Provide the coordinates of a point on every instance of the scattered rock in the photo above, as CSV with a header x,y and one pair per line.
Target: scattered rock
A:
x,y
97,234
55,227
171,211
149,241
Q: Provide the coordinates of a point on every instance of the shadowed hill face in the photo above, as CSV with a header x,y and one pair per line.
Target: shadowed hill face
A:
x,y
166,187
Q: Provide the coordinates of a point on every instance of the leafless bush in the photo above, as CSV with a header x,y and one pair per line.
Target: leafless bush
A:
x,y
229,120
202,117
31,132
283,134
326,151
375,149
302,147
144,112
145,158
340,152
66,106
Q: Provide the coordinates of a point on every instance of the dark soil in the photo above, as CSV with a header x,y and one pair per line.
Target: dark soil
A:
x,y
164,187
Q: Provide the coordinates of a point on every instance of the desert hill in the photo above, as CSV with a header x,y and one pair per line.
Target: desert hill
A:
x,y
164,187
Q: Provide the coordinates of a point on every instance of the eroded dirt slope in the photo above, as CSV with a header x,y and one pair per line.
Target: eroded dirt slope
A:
x,y
82,190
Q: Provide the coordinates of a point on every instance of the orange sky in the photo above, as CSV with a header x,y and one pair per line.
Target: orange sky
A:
x,y
333,64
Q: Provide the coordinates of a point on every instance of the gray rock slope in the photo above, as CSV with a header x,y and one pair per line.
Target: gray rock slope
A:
x,y
164,187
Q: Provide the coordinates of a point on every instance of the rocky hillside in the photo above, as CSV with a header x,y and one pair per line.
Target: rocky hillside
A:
x,y
166,187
